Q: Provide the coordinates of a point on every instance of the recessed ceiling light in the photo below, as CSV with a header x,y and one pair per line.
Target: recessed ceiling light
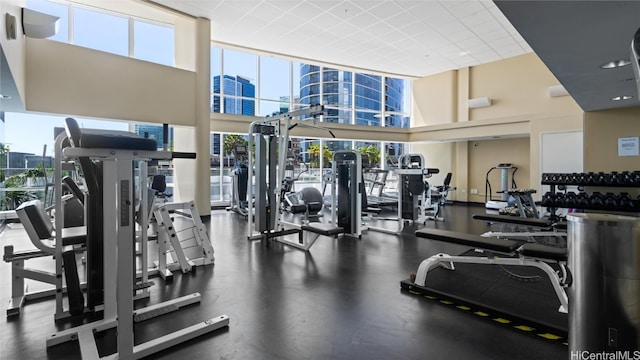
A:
x,y
623,97
463,53
5,97
615,64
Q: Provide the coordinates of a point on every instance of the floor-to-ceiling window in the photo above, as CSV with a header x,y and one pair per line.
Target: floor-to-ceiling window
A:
x,y
26,157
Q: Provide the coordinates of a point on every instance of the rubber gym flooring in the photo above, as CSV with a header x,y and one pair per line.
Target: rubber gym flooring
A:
x,y
341,300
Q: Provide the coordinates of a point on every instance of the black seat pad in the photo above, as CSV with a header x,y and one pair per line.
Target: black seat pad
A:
x,y
514,220
323,229
544,252
476,241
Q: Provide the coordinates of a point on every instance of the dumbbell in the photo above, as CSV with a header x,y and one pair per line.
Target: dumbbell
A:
x,y
590,178
583,200
625,201
548,199
599,178
596,200
610,201
571,199
636,178
582,177
560,200
546,177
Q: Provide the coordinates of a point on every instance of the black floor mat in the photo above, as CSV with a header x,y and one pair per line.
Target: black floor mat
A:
x,y
517,292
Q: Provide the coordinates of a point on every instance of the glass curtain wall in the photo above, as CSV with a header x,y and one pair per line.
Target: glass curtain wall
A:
x,y
278,85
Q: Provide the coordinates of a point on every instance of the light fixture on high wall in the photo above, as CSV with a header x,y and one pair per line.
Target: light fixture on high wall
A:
x,y
39,25
557,91
479,102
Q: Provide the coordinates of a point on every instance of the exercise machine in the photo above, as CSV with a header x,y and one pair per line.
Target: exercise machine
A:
x,y
347,192
413,202
270,139
504,168
240,176
118,153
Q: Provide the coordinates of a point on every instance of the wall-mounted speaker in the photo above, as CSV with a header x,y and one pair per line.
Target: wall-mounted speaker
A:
x,y
557,91
479,102
39,25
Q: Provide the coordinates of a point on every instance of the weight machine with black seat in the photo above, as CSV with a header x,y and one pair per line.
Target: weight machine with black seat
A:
x,y
107,160
270,138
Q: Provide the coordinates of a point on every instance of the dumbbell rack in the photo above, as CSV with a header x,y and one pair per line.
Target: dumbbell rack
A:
x,y
596,200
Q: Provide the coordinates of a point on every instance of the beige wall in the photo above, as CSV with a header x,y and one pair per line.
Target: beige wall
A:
x,y
485,154
67,79
602,129
516,86
521,112
437,103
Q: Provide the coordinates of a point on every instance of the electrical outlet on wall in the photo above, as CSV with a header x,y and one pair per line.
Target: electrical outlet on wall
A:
x,y
474,191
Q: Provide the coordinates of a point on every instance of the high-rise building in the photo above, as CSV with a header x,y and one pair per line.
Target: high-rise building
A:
x,y
335,89
154,132
239,96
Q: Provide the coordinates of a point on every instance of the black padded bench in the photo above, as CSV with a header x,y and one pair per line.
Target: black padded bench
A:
x,y
529,254
516,220
493,244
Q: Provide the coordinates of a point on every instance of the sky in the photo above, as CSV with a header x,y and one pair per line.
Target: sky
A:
x,y
30,132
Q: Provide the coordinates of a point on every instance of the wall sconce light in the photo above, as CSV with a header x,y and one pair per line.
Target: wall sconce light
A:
x,y
39,25
557,91
479,102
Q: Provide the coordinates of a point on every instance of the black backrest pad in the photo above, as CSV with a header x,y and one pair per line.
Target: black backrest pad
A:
x,y
38,218
447,179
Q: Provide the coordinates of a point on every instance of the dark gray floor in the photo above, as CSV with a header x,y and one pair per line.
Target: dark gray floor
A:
x,y
341,300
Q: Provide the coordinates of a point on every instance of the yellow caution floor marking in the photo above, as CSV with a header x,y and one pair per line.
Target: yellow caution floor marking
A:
x,y
502,320
548,336
524,328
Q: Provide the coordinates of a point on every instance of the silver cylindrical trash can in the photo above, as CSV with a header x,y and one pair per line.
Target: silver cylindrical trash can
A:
x,y
604,296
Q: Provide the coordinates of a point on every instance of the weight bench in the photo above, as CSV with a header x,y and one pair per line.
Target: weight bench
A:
x,y
309,231
38,226
548,227
529,254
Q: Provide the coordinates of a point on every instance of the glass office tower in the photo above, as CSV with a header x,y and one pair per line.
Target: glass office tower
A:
x,y
239,96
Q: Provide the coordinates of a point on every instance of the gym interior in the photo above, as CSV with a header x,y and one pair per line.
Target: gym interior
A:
x,y
475,194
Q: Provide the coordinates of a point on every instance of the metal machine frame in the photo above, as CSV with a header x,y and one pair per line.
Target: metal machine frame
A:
x,y
421,203
119,244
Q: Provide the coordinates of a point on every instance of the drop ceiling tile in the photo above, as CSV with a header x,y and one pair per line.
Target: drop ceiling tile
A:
x,y
305,10
384,10
461,36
